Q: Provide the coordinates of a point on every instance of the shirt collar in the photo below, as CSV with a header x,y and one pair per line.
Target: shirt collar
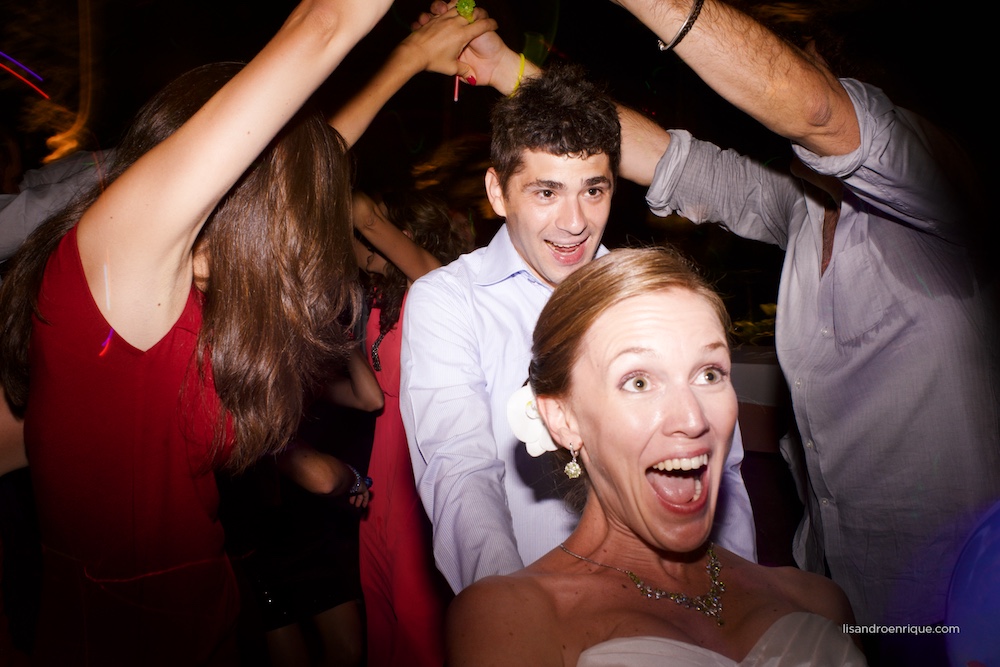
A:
x,y
501,261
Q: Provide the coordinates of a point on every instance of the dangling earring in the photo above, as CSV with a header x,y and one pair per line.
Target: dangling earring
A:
x,y
573,468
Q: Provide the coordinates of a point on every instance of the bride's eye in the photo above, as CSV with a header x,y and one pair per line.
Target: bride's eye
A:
x,y
713,375
636,383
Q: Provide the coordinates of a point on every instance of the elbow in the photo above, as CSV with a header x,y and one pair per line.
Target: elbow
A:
x,y
321,480
829,125
373,403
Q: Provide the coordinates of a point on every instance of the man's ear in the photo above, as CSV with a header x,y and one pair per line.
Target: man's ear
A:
x,y
494,192
559,419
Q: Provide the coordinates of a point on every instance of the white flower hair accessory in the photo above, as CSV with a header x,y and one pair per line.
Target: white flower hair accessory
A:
x,y
527,424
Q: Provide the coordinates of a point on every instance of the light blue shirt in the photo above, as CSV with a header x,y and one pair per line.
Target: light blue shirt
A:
x,y
891,354
466,347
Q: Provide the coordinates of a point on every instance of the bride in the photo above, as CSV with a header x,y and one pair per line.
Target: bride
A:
x,y
631,369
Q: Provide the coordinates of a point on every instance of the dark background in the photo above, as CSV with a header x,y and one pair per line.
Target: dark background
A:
x,y
926,60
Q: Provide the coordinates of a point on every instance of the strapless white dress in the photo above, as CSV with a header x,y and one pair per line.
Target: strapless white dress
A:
x,y
794,640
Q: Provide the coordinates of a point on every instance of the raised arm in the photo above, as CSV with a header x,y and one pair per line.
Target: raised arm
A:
x,y
788,92
487,60
493,63
136,241
433,46
393,244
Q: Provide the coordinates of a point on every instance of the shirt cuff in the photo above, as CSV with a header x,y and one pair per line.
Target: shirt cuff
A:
x,y
668,172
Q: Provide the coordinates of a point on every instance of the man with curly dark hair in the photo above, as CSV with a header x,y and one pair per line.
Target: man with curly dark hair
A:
x,y
556,150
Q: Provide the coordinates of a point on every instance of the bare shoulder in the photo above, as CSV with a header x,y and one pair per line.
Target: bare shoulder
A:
x,y
514,612
813,593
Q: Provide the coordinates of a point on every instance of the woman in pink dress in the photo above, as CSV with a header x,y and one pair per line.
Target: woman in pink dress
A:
x,y
405,596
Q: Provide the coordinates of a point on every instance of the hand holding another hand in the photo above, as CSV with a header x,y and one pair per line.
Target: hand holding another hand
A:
x,y
440,37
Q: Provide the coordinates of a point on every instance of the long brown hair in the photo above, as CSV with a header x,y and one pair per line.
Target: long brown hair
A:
x,y
281,292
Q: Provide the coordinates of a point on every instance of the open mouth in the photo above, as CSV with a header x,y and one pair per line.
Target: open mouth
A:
x,y
679,481
568,252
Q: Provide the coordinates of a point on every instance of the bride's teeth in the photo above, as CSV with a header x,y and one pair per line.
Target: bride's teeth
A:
x,y
682,463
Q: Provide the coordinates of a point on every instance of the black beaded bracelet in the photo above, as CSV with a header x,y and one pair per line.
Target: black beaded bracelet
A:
x,y
685,29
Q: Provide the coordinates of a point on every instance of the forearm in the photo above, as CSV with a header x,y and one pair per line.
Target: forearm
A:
x,y
643,144
359,389
508,74
473,529
353,119
223,138
12,453
756,71
315,471
390,241
433,46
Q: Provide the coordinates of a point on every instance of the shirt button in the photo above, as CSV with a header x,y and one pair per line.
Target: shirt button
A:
x,y
809,444
798,383
824,501
825,332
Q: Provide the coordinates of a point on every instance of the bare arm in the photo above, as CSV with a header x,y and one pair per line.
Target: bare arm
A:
x,y
777,84
12,455
486,59
392,243
319,473
358,389
494,64
136,240
643,144
434,47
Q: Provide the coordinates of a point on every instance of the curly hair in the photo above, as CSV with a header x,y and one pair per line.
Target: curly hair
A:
x,y
429,222
559,112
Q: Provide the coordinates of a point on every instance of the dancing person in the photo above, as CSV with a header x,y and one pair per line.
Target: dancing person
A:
x,y
175,319
406,236
467,329
631,369
885,332
291,524
880,290
411,234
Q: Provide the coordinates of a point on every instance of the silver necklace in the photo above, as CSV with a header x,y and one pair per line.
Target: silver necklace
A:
x,y
709,604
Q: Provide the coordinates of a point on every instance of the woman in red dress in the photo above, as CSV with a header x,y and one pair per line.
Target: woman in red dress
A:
x,y
169,323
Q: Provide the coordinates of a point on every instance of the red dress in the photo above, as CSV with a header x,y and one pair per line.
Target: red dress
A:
x,y
405,595
118,442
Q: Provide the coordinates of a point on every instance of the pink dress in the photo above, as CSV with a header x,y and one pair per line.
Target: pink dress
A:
x,y
118,441
405,596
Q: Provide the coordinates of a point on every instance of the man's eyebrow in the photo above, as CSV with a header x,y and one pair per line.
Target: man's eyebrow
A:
x,y
542,183
559,185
